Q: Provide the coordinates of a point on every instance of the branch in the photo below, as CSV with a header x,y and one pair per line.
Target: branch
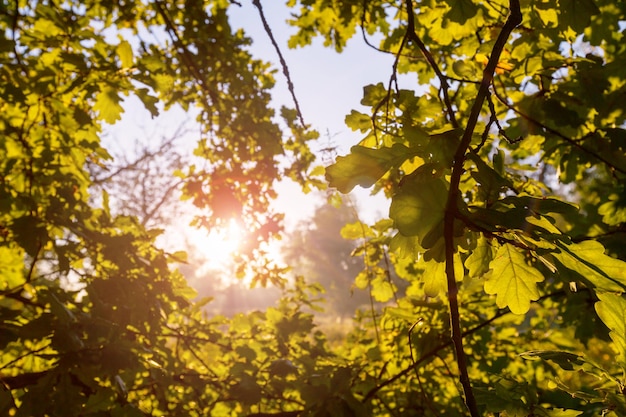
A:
x,y
278,414
22,380
185,56
573,142
268,30
514,19
435,351
443,81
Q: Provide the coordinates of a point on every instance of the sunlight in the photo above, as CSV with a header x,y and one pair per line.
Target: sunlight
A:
x,y
219,246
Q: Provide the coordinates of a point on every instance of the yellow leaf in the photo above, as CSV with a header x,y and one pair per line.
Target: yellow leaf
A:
x,y
125,53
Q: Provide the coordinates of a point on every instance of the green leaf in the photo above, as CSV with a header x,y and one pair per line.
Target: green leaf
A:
x,y
128,410
612,311
108,105
149,101
442,146
513,280
589,261
282,368
374,94
565,360
541,205
246,390
461,10
419,206
358,121
364,166
101,400
577,13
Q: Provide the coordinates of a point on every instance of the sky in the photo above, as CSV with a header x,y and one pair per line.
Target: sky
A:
x,y
327,84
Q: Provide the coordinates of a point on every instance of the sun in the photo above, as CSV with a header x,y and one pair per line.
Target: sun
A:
x,y
220,245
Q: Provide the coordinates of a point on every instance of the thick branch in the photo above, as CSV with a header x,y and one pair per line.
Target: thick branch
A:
x,y
514,19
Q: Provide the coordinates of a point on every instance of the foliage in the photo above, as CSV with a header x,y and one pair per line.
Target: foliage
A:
x,y
503,162
316,250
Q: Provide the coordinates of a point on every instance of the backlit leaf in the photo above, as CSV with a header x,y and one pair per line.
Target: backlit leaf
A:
x,y
358,121
434,276
382,289
587,258
419,206
125,53
364,166
478,262
612,311
108,105
513,280
11,265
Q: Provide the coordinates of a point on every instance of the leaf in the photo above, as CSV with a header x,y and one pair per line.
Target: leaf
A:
x,y
149,101
356,230
246,390
101,400
383,289
108,105
561,412
434,276
612,311
477,263
541,205
565,360
405,246
461,10
513,280
577,13
589,261
442,146
358,121
128,410
419,206
282,368
12,266
364,166
613,212
125,53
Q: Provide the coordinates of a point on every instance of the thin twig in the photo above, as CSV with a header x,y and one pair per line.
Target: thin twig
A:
x,y
184,53
435,351
283,63
443,81
573,142
514,19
